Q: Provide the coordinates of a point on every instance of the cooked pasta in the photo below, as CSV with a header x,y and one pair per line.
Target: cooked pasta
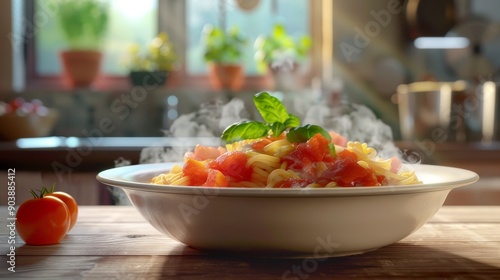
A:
x,y
280,153
270,162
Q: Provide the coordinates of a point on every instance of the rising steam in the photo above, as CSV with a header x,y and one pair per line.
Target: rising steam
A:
x,y
354,121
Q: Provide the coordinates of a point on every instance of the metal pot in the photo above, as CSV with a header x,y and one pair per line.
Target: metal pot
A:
x,y
438,111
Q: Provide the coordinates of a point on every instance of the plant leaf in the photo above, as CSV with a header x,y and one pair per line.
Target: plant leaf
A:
x,y
244,130
303,133
277,128
292,121
270,108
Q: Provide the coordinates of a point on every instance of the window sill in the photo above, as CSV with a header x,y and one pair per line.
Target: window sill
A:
x,y
177,80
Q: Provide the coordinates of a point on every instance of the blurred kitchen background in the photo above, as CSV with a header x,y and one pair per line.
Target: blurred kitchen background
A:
x,y
130,72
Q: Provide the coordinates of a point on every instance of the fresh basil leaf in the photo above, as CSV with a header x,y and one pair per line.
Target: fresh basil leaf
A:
x,y
270,108
292,121
244,130
277,128
303,133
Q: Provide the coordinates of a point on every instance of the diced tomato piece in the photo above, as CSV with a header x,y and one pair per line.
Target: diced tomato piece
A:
x,y
259,145
381,180
314,150
370,180
216,179
338,139
346,172
298,158
196,171
395,164
222,150
188,155
293,183
320,149
204,153
348,156
233,164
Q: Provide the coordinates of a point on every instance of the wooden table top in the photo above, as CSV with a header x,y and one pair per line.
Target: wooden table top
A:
x,y
115,242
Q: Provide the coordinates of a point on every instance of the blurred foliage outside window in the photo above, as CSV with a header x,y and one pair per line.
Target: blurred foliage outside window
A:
x,y
130,21
136,21
293,14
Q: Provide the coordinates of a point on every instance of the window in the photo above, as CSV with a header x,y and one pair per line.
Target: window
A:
x,y
252,23
133,21
129,21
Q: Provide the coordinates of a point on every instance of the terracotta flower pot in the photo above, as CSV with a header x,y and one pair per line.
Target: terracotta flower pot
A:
x,y
81,67
226,76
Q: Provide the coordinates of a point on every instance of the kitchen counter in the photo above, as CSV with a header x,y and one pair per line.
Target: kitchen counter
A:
x,y
86,154
115,242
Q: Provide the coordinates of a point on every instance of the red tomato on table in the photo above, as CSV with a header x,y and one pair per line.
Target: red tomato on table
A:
x,y
70,203
43,221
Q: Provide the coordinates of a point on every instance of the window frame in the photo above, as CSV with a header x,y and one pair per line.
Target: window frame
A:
x,y
34,80
171,13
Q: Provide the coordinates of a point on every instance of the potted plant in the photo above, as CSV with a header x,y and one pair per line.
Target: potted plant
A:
x,y
282,55
84,24
152,66
224,54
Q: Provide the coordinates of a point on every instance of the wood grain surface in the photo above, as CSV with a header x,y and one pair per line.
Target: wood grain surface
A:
x,y
115,242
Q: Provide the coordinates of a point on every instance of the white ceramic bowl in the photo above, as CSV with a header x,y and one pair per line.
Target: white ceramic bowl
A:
x,y
287,222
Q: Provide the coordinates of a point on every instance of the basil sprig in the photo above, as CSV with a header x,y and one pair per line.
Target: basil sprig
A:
x,y
244,130
270,108
277,119
304,133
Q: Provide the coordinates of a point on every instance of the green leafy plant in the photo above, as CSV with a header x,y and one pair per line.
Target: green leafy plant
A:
x,y
84,23
158,56
279,46
276,121
223,47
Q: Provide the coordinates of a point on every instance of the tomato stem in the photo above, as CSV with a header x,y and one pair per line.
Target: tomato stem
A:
x,y
33,193
52,188
43,191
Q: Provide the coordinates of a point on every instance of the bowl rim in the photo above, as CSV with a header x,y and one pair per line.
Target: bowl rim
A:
x,y
125,177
